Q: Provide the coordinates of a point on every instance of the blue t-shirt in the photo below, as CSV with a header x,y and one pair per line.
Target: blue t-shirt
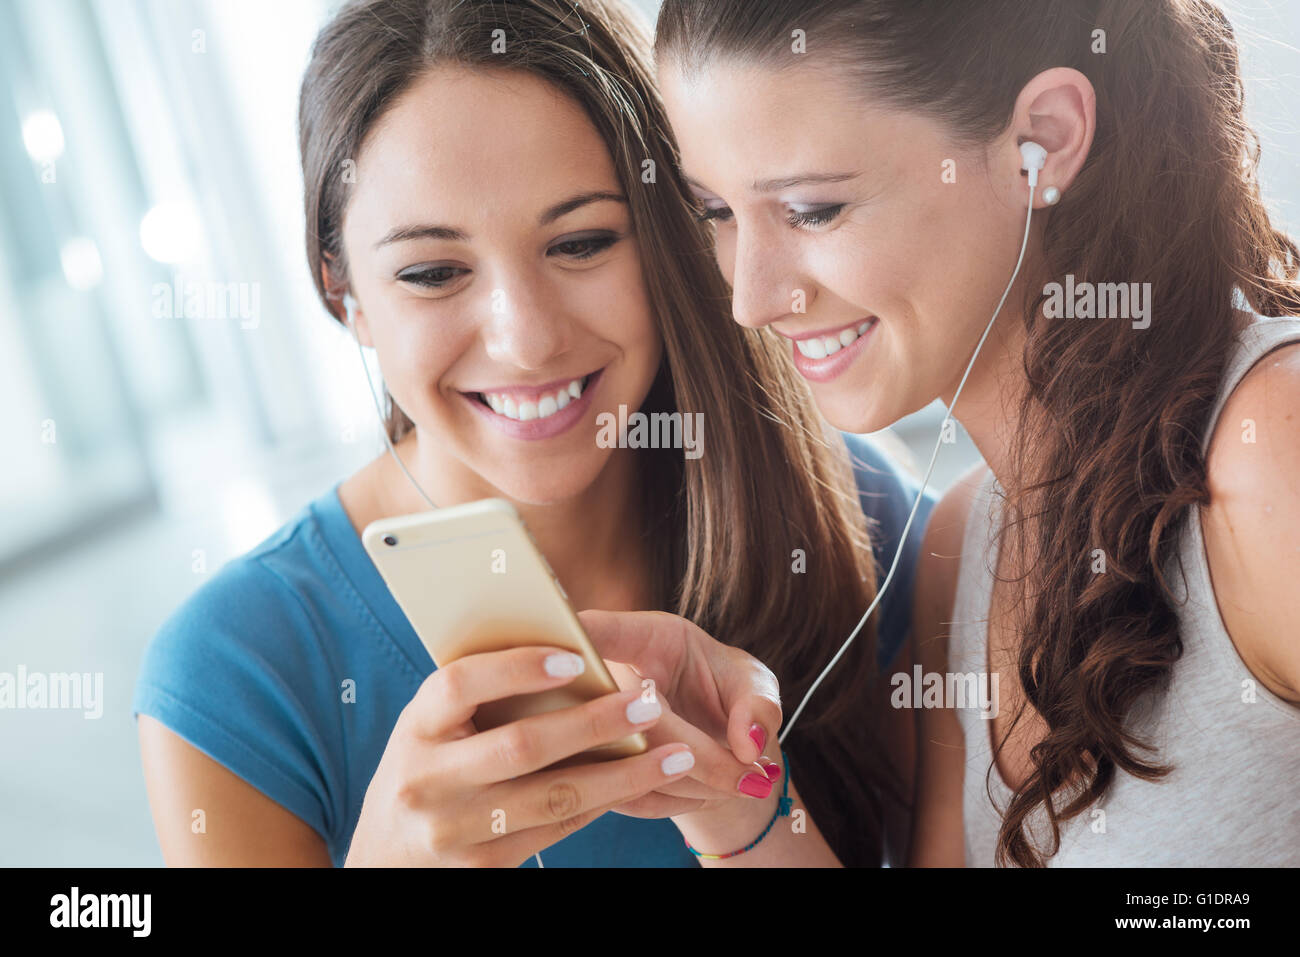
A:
x,y
251,669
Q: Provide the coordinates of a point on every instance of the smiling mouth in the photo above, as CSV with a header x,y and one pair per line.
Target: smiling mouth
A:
x,y
541,406
819,347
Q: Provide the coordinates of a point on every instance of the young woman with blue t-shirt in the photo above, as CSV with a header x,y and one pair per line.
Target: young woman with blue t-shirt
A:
x,y
1140,616
494,186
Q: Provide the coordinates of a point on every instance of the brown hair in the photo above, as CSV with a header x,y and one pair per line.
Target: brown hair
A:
x,y
1109,454
720,529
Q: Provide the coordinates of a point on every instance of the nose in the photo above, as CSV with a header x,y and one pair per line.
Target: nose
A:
x,y
526,326
764,277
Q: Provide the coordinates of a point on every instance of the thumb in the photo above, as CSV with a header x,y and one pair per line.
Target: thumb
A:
x,y
636,638
751,698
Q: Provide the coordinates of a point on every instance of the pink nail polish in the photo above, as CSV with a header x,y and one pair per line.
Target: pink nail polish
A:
x,y
773,771
757,735
754,785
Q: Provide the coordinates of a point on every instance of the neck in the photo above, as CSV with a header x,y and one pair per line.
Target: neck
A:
x,y
989,405
592,541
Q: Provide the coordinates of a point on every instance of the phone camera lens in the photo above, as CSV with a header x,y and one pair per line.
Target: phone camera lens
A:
x,y
390,540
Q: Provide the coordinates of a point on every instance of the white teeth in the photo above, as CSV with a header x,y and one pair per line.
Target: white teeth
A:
x,y
526,411
812,348
822,346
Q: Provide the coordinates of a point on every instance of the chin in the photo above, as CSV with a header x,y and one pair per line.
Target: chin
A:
x,y
848,415
549,484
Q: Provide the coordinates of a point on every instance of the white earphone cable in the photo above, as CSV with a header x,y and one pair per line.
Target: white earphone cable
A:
x,y
934,457
350,305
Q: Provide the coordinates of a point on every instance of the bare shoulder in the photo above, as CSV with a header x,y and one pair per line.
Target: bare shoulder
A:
x,y
1261,411
941,544
1252,524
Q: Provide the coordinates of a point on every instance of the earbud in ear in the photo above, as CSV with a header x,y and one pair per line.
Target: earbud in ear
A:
x,y
1033,158
349,306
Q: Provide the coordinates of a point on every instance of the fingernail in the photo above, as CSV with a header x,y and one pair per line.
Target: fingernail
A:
x,y
773,771
562,664
677,762
754,785
757,735
639,711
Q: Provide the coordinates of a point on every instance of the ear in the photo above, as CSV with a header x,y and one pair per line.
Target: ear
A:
x,y
335,288
1057,109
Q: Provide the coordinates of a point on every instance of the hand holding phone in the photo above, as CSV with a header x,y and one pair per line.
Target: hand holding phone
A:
x,y
501,731
470,580
445,794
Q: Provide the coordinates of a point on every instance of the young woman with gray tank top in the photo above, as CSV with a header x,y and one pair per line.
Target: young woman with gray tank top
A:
x,y
1115,583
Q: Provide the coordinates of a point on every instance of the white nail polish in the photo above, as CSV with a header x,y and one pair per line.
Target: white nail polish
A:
x,y
640,711
677,762
564,665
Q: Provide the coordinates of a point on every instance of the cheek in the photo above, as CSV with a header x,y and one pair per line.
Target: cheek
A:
x,y
870,274
418,348
621,313
899,265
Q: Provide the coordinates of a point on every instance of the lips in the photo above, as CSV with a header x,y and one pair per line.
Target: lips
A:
x,y
819,347
824,355
536,412
524,407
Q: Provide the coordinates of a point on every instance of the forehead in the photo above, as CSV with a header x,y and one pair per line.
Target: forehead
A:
x,y
738,122
465,145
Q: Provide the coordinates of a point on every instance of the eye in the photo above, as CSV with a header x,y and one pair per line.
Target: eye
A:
x,y
431,277
584,247
717,214
812,218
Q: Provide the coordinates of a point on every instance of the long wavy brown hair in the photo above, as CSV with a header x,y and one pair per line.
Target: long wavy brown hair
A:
x,y
1109,452
720,529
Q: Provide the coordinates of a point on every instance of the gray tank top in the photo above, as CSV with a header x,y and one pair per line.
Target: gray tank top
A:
x,y
1233,797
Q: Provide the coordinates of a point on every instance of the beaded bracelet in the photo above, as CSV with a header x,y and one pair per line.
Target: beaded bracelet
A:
x,y
783,805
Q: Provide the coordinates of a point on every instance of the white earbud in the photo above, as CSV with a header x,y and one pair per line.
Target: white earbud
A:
x,y
349,306
1034,158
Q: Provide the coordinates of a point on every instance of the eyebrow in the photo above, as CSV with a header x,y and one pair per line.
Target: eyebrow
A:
x,y
785,182
452,234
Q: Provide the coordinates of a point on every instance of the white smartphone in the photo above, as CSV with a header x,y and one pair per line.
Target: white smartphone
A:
x,y
470,579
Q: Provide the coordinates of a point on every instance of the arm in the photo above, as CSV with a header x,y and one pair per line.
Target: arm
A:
x,y
1252,525
243,826
937,836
